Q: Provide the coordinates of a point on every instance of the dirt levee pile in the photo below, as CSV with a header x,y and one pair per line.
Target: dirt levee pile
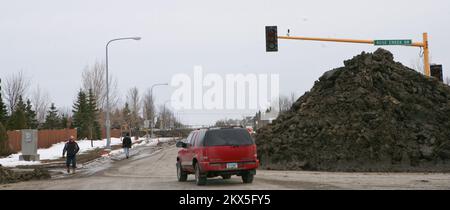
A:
x,y
373,114
11,176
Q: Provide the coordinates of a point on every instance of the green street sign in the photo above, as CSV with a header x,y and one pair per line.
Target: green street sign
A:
x,y
393,42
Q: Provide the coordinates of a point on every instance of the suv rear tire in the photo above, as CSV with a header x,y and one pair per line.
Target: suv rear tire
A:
x,y
181,175
247,178
199,179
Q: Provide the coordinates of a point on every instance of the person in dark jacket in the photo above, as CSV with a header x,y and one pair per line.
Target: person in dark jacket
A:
x,y
71,148
126,145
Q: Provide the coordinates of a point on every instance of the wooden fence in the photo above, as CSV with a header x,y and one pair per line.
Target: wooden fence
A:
x,y
115,133
46,138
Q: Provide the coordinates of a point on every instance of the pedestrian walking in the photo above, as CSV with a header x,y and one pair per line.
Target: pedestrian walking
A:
x,y
126,145
71,148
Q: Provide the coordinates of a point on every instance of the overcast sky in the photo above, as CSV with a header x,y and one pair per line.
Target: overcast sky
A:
x,y
52,41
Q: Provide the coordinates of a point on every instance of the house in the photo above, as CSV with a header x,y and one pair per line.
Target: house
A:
x,y
264,118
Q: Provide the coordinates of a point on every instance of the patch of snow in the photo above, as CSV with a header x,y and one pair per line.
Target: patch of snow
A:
x,y
55,151
144,142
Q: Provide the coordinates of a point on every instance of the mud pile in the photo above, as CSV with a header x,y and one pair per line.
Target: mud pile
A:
x,y
373,114
10,176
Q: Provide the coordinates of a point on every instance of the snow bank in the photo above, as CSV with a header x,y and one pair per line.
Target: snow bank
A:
x,y
150,143
55,151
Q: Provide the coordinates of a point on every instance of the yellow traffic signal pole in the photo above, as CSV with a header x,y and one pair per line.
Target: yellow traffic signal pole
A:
x,y
426,54
424,45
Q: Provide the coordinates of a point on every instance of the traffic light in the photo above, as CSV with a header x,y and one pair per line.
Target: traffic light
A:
x,y
271,39
436,71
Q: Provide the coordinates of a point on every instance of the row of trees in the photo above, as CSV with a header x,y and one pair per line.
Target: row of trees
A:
x,y
23,116
135,109
137,106
21,109
20,114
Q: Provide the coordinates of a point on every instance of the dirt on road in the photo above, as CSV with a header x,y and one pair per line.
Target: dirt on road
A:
x,y
154,168
19,175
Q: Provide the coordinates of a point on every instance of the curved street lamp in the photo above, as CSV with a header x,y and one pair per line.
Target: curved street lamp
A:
x,y
108,108
152,120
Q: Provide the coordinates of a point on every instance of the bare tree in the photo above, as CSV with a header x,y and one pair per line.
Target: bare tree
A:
x,y
293,98
16,85
117,119
285,103
93,77
134,102
167,118
148,106
41,101
417,64
65,111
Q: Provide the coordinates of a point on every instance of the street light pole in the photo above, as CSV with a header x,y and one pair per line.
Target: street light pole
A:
x,y
164,114
152,120
108,108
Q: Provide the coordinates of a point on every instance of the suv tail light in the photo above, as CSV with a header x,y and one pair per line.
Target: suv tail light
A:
x,y
205,155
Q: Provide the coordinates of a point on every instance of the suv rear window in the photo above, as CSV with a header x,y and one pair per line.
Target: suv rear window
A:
x,y
228,137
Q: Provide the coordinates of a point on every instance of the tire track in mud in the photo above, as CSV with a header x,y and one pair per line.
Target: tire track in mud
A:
x,y
136,168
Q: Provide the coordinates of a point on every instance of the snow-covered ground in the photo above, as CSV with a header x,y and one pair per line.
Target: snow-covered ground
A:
x,y
55,151
150,143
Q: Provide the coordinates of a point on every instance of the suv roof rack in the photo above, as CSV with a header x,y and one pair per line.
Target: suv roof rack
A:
x,y
225,127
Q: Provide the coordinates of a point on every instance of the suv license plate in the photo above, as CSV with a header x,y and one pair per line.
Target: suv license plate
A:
x,y
232,165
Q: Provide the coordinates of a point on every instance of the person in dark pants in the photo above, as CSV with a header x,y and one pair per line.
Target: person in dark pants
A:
x,y
72,149
126,145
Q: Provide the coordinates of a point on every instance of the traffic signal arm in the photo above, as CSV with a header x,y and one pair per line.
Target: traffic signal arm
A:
x,y
328,39
424,45
360,41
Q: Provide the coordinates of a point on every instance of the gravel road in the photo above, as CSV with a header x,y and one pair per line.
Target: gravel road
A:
x,y
154,168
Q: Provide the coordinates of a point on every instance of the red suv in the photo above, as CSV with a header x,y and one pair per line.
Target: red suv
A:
x,y
217,152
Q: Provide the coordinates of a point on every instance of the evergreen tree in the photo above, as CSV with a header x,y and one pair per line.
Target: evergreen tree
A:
x,y
30,115
18,119
3,111
81,115
4,146
93,113
64,121
52,120
20,104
